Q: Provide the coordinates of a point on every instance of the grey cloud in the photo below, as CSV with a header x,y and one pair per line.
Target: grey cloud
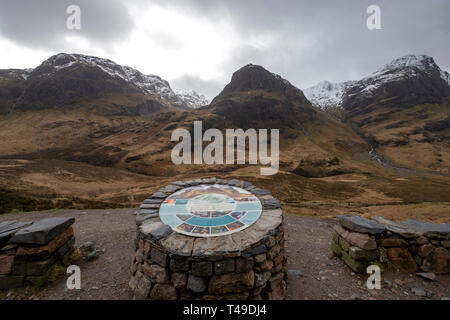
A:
x,y
166,40
342,47
42,24
209,88
312,40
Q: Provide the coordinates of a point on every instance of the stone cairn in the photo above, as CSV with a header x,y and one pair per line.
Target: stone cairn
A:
x,y
249,264
29,251
406,246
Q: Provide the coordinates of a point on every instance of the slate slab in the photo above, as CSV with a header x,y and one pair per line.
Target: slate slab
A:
x,y
140,218
430,230
42,231
397,228
155,229
179,183
149,206
259,192
271,203
12,225
360,224
171,188
153,201
8,228
159,195
233,182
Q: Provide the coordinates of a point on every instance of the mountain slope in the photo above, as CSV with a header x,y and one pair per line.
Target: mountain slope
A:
x,y
257,98
324,164
192,99
68,79
412,78
403,109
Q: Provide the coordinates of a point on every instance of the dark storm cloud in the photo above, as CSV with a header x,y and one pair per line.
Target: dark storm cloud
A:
x,y
310,41
317,40
42,24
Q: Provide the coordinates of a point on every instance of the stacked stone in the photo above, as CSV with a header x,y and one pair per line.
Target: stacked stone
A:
x,y
250,264
29,251
407,246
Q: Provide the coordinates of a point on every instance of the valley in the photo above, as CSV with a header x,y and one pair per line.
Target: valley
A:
x,y
81,132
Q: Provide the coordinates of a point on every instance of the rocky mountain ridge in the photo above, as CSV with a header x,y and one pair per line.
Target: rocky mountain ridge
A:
x,y
63,72
414,75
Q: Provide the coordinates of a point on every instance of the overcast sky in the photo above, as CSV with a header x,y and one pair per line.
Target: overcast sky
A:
x,y
198,44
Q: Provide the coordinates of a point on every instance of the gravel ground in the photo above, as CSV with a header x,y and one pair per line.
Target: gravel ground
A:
x,y
313,273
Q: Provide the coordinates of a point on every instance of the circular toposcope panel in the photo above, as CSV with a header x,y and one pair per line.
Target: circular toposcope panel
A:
x,y
210,210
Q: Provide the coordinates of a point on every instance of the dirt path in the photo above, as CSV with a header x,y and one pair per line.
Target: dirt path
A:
x,y
313,273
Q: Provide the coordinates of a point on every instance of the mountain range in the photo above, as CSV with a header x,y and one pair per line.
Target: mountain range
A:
x,y
68,79
81,130
419,72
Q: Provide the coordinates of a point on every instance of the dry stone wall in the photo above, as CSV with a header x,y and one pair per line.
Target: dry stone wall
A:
x,y
29,251
408,246
249,264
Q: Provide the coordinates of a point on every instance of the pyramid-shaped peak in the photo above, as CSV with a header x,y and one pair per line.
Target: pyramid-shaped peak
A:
x,y
420,61
253,77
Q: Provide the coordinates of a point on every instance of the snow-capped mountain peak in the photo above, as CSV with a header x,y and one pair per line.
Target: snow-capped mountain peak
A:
x,y
192,99
421,61
149,84
328,95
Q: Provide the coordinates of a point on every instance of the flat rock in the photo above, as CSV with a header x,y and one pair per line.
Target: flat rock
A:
x,y
49,248
155,229
360,240
141,217
159,195
213,246
147,211
430,230
271,203
8,228
179,243
43,231
360,224
260,192
246,184
248,238
149,206
152,201
233,182
397,228
171,188
419,292
427,275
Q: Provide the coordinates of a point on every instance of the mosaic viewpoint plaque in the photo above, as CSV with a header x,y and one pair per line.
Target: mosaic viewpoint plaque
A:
x,y
210,210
